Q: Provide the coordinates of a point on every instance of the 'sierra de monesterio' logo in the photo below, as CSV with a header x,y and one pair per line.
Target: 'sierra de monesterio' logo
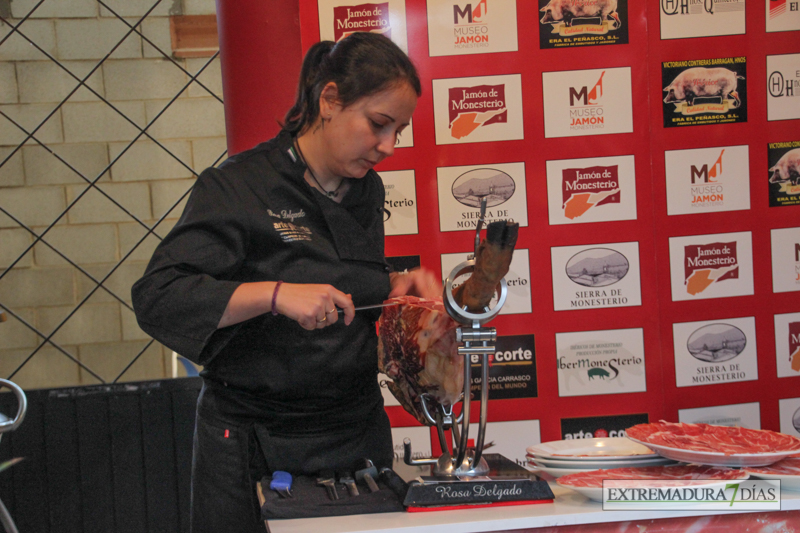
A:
x,y
705,264
364,17
473,107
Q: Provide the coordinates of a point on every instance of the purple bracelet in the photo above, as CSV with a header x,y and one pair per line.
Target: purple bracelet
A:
x,y
275,298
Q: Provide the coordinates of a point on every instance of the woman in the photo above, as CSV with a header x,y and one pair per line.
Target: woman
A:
x,y
249,283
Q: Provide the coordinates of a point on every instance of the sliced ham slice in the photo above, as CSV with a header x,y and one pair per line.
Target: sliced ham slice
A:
x,y
681,472
785,467
708,438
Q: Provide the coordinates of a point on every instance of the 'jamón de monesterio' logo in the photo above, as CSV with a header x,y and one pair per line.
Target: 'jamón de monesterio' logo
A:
x,y
363,17
584,188
794,345
473,107
705,264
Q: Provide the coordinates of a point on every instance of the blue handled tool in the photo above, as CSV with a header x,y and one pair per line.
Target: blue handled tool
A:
x,y
281,483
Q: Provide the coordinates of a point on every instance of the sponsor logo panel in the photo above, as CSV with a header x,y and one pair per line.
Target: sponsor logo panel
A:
x,y
707,180
711,266
481,109
783,15
568,23
785,259
600,362
784,173
587,102
400,203
460,27
596,276
746,415
790,416
783,87
599,189
704,91
715,351
462,188
787,344
338,19
596,427
518,280
701,18
512,369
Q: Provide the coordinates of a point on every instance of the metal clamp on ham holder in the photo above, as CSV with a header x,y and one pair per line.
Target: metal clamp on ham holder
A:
x,y
465,474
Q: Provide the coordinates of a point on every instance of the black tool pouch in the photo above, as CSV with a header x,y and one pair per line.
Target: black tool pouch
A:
x,y
310,500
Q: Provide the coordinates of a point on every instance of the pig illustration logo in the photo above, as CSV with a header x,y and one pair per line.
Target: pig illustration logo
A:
x,y
494,185
598,373
566,11
701,82
787,169
716,343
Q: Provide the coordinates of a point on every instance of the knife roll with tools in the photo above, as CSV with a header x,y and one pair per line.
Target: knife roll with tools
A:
x,y
362,490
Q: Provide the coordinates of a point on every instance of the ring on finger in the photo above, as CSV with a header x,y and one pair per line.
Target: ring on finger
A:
x,y
329,312
323,319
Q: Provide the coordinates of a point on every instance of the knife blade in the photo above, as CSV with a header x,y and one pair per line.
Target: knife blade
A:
x,y
376,306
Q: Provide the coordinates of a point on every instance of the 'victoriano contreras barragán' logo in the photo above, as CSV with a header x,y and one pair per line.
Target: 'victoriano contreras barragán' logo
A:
x,y
714,87
578,17
585,188
473,107
364,17
705,264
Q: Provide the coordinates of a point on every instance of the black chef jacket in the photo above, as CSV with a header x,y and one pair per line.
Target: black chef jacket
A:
x,y
256,219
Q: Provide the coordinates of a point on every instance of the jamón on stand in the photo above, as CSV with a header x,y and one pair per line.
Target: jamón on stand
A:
x,y
417,345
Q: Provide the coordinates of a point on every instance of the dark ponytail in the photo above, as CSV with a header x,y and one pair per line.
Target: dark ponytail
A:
x,y
361,64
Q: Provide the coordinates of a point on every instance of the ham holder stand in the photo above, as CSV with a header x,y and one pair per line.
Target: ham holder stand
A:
x,y
468,476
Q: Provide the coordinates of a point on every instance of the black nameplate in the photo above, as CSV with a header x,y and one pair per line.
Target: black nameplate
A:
x,y
505,482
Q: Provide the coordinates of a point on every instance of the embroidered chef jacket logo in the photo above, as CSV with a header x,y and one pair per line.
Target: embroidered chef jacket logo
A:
x,y
471,25
705,264
585,188
474,107
291,232
364,17
287,214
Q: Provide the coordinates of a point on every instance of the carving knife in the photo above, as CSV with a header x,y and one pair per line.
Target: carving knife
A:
x,y
376,306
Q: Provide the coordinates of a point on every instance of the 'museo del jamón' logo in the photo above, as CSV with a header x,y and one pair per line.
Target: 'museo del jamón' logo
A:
x,y
705,264
470,25
586,106
474,107
794,345
584,188
364,17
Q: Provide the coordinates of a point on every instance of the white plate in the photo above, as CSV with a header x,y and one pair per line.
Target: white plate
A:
x,y
621,463
787,482
558,472
589,449
717,458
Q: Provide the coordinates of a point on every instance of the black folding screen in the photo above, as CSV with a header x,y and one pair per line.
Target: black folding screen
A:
x,y
107,458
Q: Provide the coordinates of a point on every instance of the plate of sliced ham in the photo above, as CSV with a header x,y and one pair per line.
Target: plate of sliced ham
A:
x,y
715,445
590,484
786,470
590,449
